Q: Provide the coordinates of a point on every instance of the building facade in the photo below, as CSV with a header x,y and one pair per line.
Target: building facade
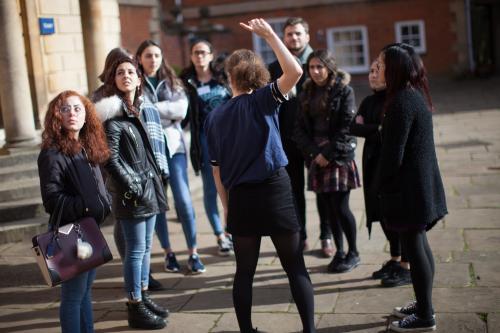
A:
x,y
453,36
66,41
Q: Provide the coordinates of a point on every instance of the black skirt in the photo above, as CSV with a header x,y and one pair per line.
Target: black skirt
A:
x,y
263,209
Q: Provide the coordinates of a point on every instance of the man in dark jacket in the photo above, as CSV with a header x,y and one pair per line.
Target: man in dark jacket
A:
x,y
296,39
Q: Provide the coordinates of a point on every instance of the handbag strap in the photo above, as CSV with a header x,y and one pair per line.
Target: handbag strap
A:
x,y
55,217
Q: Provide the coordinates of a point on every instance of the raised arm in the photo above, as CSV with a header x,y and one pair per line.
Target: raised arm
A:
x,y
291,67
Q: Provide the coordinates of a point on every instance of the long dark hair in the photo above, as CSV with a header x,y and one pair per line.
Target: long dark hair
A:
x,y
328,60
165,72
110,87
404,68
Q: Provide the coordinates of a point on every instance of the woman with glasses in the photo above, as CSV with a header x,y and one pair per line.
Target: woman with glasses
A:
x,y
206,89
73,147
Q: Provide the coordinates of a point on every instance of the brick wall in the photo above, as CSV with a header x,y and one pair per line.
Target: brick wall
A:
x,y
378,17
135,24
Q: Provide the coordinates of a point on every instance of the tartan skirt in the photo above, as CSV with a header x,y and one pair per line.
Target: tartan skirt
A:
x,y
333,177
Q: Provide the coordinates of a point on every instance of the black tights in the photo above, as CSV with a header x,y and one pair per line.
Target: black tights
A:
x,y
421,268
394,243
289,249
341,219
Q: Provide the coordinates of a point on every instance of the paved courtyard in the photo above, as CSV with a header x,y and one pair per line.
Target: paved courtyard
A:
x,y
466,248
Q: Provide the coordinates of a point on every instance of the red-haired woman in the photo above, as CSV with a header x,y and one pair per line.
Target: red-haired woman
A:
x,y
73,147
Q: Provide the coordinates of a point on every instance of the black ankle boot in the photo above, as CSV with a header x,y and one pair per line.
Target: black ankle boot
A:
x,y
155,308
139,316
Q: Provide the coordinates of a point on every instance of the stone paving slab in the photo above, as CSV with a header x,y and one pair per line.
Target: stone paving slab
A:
x,y
29,321
380,300
483,240
466,248
460,323
471,299
266,322
493,322
487,274
473,218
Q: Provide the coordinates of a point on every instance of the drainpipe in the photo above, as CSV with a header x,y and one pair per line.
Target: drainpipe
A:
x,y
472,65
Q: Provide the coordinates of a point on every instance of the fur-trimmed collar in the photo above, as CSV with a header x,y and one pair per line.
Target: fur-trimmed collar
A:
x,y
109,107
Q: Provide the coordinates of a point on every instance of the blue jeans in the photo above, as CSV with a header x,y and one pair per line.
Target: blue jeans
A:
x,y
161,229
177,165
75,312
209,188
138,234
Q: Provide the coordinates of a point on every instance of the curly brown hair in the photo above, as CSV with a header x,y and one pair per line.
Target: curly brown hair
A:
x,y
246,70
91,137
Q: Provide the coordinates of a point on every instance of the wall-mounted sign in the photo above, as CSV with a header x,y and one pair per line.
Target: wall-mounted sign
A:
x,y
47,26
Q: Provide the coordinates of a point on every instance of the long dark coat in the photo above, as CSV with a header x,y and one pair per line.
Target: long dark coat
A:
x,y
411,190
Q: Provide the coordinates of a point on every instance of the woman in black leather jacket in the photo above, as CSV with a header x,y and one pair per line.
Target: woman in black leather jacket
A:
x,y
135,184
322,134
73,147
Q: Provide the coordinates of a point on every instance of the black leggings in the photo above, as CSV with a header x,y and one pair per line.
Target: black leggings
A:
x,y
289,249
341,219
324,223
394,243
421,268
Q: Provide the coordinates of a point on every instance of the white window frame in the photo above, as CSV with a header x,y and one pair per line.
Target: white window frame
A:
x,y
365,67
421,29
258,42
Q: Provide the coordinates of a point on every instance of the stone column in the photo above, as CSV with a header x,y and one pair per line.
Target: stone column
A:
x,y
17,108
93,40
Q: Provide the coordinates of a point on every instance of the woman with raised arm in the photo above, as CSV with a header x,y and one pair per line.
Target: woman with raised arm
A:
x,y
248,165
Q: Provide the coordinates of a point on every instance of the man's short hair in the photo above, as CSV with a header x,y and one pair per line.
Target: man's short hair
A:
x,y
291,21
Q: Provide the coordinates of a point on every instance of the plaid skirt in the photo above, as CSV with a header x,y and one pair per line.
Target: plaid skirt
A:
x,y
333,177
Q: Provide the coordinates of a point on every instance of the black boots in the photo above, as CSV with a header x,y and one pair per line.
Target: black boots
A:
x,y
139,316
155,308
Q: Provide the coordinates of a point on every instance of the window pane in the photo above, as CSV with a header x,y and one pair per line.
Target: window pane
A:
x,y
356,35
349,48
404,30
415,30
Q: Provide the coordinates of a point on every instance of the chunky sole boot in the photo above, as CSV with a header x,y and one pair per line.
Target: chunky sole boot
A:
x,y
155,308
139,316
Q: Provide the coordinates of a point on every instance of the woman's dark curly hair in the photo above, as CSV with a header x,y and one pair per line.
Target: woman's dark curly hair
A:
x,y
309,88
111,89
91,137
246,70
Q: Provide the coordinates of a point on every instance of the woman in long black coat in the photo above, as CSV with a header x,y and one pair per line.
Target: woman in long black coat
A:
x,y
411,190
